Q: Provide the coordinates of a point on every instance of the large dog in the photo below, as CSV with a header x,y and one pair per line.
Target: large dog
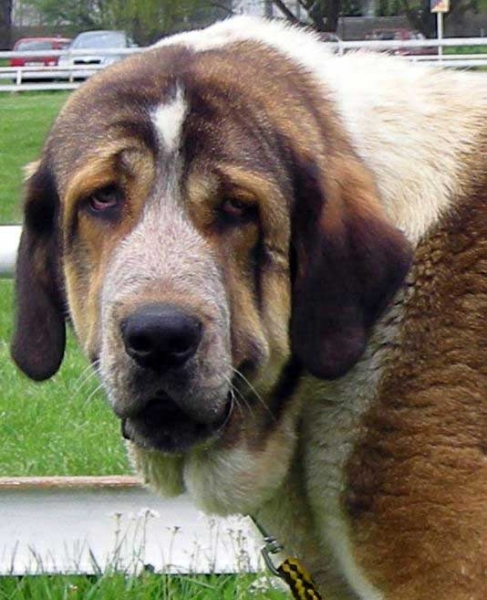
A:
x,y
277,260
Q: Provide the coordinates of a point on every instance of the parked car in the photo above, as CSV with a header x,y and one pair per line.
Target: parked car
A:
x,y
401,34
38,44
97,43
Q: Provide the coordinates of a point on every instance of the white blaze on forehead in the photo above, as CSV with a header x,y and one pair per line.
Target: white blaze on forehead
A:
x,y
168,120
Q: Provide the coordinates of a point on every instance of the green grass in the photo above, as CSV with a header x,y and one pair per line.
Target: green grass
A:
x,y
147,586
25,119
466,50
60,427
63,426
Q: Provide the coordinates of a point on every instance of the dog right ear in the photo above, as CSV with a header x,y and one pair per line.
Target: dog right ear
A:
x,y
40,335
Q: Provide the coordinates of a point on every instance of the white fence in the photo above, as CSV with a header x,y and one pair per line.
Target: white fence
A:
x,y
432,51
33,77
53,77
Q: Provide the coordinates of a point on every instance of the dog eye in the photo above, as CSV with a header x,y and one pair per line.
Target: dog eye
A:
x,y
105,199
238,211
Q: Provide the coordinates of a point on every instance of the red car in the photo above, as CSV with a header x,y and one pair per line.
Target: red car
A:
x,y
401,34
38,44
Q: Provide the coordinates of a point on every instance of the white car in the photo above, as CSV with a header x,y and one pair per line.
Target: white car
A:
x,y
96,50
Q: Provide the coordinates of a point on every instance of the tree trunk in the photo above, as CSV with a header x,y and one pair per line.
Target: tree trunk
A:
x,y
333,8
325,14
287,12
318,13
5,24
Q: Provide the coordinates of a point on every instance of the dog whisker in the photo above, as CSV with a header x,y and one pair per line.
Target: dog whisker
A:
x,y
93,393
254,392
235,402
86,377
236,397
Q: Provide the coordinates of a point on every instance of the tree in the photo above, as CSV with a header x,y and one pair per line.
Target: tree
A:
x,y
80,14
420,17
148,19
323,14
5,24
144,20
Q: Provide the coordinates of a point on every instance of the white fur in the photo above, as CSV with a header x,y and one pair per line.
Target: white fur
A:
x,y
168,120
409,125
145,260
331,425
396,113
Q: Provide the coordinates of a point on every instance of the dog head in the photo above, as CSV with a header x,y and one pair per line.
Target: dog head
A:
x,y
210,237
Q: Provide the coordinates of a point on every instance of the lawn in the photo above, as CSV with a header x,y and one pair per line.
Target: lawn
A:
x,y
60,427
63,426
24,121
466,50
145,587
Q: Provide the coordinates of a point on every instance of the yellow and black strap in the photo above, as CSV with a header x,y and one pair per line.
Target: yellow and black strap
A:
x,y
291,570
298,579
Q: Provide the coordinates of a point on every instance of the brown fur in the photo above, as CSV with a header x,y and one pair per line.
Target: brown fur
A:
x,y
418,477
308,280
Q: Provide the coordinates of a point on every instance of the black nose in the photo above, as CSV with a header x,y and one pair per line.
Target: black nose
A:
x,y
159,336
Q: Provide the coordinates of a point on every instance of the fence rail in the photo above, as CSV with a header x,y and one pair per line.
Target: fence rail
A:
x,y
428,51
62,77
426,43
78,66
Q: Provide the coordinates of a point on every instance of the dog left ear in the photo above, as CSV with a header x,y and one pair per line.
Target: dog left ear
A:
x,y
39,338
349,262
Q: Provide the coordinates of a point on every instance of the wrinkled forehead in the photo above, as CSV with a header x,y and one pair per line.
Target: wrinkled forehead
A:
x,y
165,103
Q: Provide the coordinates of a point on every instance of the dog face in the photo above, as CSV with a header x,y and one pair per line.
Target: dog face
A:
x,y
210,237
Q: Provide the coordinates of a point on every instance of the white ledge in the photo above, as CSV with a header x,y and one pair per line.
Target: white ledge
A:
x,y
9,243
91,524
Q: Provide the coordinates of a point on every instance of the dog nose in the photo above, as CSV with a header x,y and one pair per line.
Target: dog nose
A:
x,y
160,336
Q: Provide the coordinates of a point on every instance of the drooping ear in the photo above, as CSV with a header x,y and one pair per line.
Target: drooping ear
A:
x,y
39,336
349,262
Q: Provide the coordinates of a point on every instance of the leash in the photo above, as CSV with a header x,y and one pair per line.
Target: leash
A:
x,y
291,570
